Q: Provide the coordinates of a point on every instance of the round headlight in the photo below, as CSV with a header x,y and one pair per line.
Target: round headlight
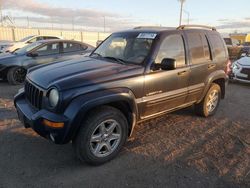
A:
x,y
53,97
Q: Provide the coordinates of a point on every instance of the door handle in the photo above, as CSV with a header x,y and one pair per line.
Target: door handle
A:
x,y
211,66
181,73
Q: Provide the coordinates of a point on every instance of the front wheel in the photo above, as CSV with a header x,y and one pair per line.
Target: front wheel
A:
x,y
208,106
101,136
16,75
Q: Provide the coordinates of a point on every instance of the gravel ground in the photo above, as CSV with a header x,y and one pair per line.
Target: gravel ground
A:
x,y
175,150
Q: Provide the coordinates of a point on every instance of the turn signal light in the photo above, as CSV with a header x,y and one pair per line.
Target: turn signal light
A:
x,y
53,124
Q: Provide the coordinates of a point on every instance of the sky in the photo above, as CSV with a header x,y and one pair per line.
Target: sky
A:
x,y
227,15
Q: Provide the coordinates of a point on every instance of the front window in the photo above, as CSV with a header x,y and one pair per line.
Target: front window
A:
x,y
48,49
28,48
172,47
127,48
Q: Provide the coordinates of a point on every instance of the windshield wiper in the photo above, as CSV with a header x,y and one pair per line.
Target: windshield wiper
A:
x,y
99,55
121,61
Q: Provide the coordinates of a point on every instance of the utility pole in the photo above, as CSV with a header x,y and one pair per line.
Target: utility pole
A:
x,y
73,24
182,2
52,26
28,22
104,24
1,13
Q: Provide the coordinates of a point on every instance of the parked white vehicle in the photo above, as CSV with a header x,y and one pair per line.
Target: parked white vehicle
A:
x,y
8,46
241,70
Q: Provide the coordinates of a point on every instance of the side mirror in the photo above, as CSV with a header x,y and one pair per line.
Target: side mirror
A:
x,y
32,54
168,64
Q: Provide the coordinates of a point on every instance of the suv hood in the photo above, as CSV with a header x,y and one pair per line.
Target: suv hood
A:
x,y
244,61
6,57
84,71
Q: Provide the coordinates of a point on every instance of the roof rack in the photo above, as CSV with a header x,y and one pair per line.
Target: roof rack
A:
x,y
181,27
153,27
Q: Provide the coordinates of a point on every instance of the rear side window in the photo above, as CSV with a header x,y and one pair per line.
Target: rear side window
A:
x,y
172,47
71,47
218,47
49,38
198,48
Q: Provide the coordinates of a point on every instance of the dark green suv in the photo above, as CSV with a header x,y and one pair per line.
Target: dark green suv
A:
x,y
132,76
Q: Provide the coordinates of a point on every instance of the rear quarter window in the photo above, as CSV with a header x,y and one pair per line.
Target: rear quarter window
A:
x,y
218,47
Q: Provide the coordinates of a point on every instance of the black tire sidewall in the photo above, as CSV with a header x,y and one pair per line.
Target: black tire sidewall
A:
x,y
10,76
82,145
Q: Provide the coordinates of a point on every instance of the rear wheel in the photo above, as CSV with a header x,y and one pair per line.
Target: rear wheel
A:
x,y
102,135
209,105
16,75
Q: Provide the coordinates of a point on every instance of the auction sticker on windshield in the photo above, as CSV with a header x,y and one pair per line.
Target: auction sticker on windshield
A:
x,y
147,36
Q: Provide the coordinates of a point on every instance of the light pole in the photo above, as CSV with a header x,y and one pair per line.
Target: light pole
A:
x,y
182,2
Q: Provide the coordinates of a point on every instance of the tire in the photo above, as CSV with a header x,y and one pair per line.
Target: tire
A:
x,y
97,126
204,108
16,75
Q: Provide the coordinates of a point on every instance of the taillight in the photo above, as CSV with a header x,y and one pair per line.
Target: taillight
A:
x,y
228,68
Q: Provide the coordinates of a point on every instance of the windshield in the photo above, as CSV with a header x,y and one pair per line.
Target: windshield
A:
x,y
126,48
25,39
28,48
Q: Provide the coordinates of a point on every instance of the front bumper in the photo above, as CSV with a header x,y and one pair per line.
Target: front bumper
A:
x,y
238,76
32,117
241,80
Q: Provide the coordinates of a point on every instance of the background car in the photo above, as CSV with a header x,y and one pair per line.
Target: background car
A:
x,y
241,70
12,46
14,66
4,44
246,48
234,48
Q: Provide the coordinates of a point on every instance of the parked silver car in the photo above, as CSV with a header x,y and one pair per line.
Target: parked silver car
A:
x,y
241,70
14,66
9,46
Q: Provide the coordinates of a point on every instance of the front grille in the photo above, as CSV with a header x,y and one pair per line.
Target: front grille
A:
x,y
33,95
246,71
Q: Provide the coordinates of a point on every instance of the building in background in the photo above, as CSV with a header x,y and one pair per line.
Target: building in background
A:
x,y
241,37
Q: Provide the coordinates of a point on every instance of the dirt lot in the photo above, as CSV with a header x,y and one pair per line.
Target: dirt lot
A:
x,y
176,150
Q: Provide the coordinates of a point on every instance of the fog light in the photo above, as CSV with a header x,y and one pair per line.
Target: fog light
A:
x,y
53,124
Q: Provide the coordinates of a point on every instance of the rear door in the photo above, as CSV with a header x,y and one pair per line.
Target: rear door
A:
x,y
71,49
201,63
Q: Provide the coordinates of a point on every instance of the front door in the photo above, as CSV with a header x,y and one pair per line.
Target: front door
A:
x,y
167,89
47,53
